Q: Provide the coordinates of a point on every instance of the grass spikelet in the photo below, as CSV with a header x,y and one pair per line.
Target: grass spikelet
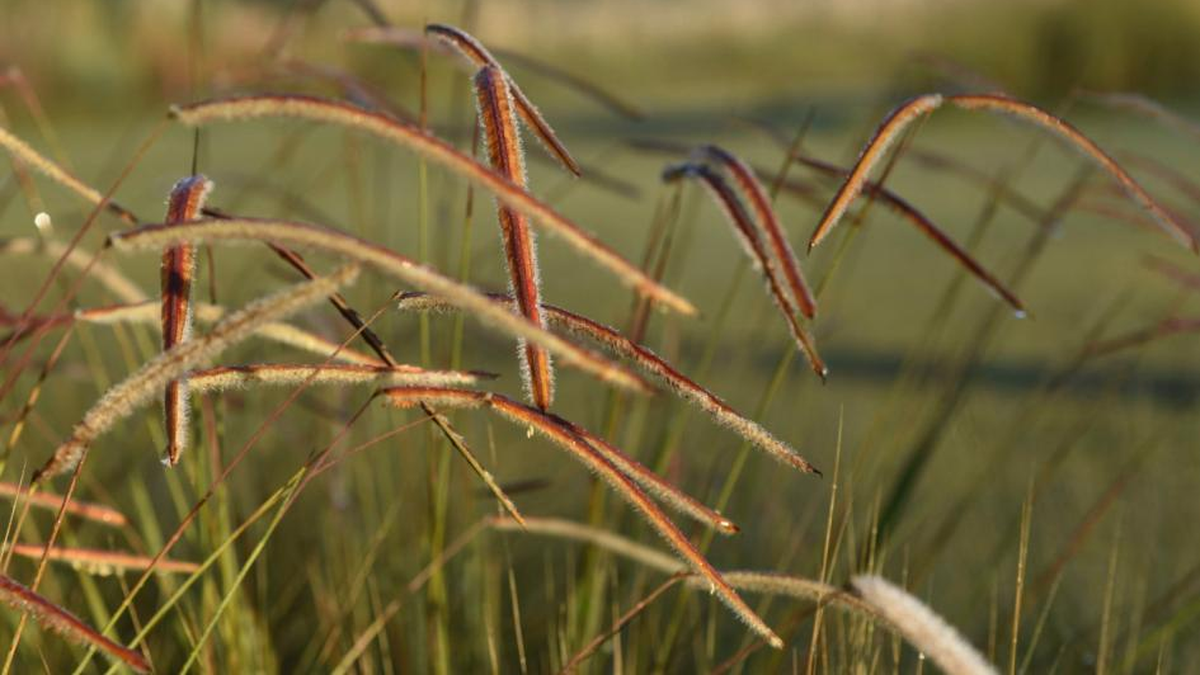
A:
x,y
124,398
923,629
23,152
564,436
890,199
1030,113
410,136
52,617
388,262
926,227
478,55
102,563
631,468
906,113
225,378
494,100
681,385
768,222
887,133
744,230
178,270
96,513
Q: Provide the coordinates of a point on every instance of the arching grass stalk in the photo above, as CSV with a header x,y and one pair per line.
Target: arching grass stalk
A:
x,y
649,362
386,261
406,135
567,436
124,398
920,106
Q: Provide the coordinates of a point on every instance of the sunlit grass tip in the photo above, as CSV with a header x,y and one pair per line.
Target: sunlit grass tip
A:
x,y
921,627
477,54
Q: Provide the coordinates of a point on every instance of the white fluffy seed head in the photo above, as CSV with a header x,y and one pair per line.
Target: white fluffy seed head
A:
x,y
43,223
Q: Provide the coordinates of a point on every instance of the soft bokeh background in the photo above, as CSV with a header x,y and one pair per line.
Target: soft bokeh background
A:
x,y
1001,408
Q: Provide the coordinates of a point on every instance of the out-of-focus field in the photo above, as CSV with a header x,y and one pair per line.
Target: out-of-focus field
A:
x,y
1106,446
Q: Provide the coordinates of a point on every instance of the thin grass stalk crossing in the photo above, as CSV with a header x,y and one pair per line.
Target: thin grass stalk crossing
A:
x,y
629,467
25,153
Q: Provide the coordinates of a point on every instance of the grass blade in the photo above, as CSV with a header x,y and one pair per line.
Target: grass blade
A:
x,y
96,513
102,563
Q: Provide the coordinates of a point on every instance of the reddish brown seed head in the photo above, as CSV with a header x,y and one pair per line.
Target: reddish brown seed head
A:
x,y
178,269
504,151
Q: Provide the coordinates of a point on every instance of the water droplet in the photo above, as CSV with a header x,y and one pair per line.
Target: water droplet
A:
x,y
1020,314
529,431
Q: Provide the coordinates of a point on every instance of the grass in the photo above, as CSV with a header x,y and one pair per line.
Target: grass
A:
x,y
1027,480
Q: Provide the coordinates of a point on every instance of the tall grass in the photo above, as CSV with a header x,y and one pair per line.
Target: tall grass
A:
x,y
314,525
